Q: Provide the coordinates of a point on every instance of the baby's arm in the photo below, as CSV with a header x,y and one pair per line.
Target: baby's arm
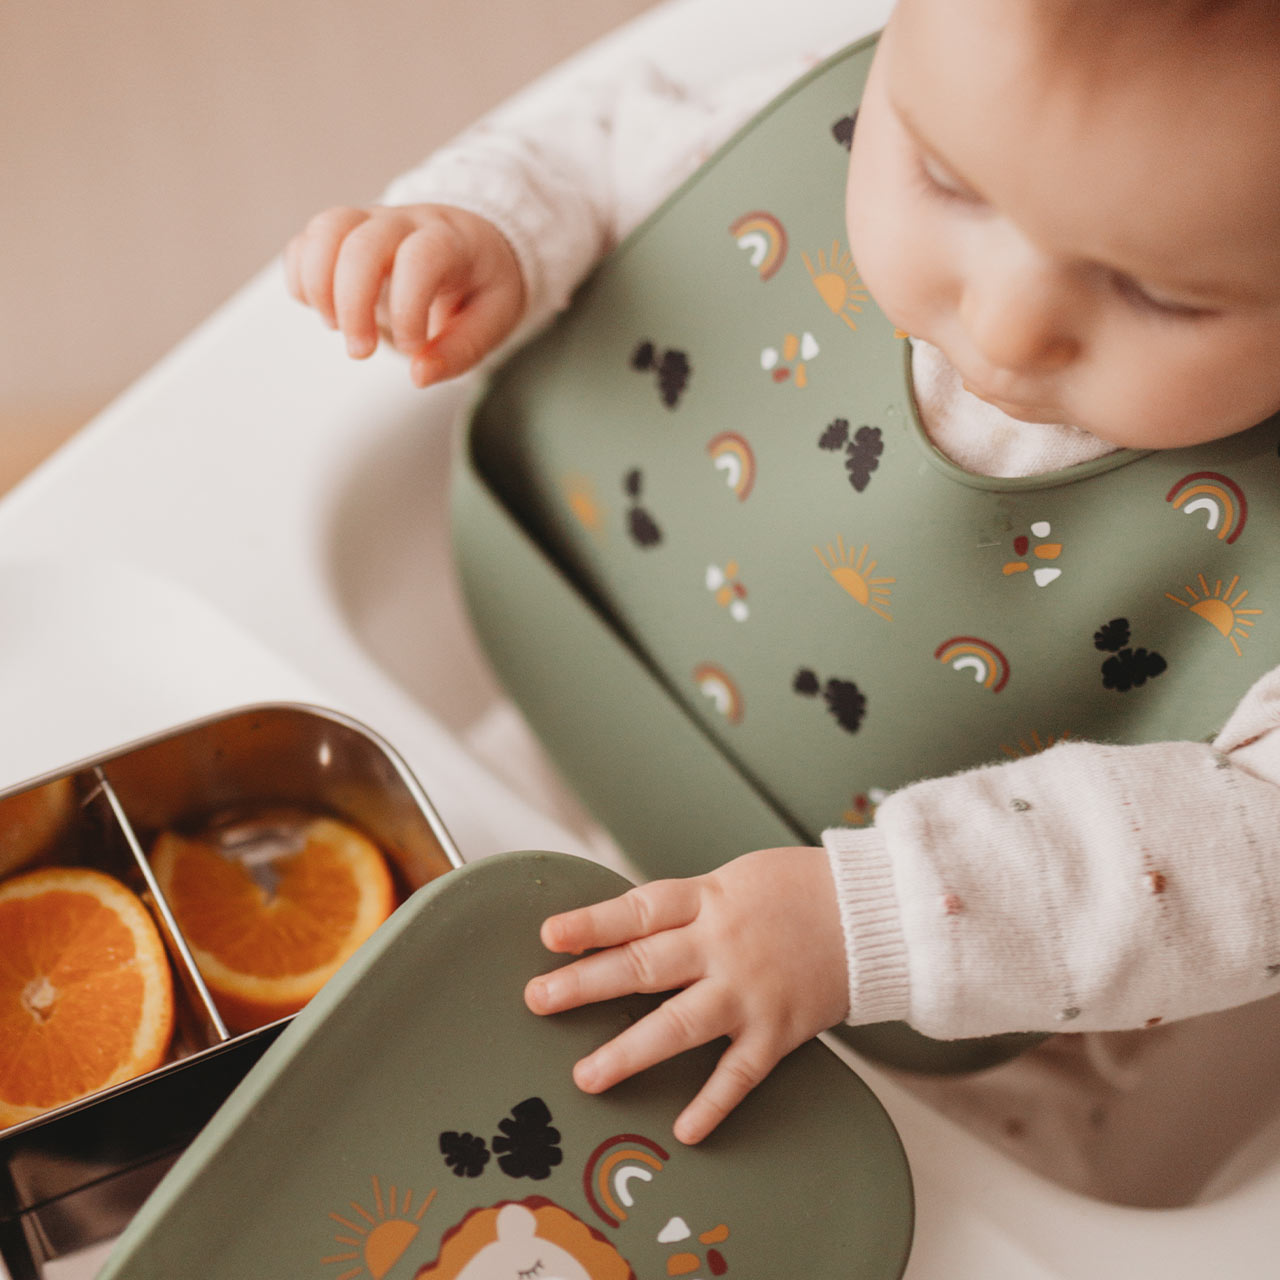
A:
x,y
546,185
443,283
1089,887
754,948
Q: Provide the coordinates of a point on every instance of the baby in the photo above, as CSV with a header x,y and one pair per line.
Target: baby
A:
x,y
1070,206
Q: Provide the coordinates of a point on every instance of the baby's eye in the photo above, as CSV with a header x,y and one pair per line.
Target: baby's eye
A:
x,y
536,1270
940,181
1143,298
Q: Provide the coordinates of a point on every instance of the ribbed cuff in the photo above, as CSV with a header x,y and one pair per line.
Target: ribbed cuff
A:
x,y
874,943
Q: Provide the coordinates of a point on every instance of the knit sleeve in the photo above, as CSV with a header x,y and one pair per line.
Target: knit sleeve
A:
x,y
567,177
1090,887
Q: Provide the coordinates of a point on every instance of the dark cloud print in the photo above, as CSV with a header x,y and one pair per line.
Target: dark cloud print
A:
x,y
1127,668
862,449
1111,635
671,367
842,130
806,683
845,701
1130,669
643,528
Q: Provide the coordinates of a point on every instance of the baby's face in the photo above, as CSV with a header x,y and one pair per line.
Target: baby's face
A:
x,y
1084,217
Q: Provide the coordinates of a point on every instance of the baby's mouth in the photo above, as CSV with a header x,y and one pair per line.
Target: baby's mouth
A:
x,y
1024,411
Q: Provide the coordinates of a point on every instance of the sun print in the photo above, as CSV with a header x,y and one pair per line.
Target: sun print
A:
x,y
837,283
1034,745
376,1240
853,574
1219,608
580,494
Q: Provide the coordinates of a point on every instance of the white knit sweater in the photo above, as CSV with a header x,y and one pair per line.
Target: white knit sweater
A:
x,y
1015,897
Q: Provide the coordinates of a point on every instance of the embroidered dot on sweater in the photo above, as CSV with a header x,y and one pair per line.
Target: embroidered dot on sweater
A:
x,y
1156,881
1152,1022
1019,806
952,904
1273,971
1069,1014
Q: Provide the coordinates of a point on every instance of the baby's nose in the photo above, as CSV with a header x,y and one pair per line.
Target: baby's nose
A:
x,y
1023,318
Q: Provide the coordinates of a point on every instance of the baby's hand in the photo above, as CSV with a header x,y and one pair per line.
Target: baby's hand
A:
x,y
756,948
443,284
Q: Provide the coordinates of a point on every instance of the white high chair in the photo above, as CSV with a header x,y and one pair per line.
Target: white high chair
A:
x,y
259,518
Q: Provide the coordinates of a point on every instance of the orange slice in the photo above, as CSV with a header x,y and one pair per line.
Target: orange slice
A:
x,y
86,997
266,944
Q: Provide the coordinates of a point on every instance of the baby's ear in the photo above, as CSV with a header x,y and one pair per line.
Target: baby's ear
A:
x,y
516,1223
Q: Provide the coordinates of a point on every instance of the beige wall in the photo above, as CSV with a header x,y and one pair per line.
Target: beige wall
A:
x,y
155,153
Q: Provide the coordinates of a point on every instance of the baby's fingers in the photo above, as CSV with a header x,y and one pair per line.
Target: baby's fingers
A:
x,y
685,1021
364,262
658,963
427,262
663,904
311,256
742,1066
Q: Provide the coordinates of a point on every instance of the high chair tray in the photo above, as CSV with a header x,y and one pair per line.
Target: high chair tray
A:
x,y
416,1120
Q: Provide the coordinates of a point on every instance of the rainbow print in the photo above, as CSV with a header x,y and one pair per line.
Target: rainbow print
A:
x,y
967,653
1221,500
611,1169
764,239
731,455
715,683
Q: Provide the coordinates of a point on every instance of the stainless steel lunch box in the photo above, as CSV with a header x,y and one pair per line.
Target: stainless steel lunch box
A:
x,y
74,1176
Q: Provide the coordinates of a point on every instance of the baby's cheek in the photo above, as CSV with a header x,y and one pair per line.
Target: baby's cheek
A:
x,y
1152,388
894,264
891,254
897,282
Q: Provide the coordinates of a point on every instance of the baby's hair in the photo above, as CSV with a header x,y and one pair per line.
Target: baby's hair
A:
x,y
1167,10
1116,33
1156,15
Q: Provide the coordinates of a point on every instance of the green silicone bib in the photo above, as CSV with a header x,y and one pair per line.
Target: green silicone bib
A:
x,y
717,444
740,595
